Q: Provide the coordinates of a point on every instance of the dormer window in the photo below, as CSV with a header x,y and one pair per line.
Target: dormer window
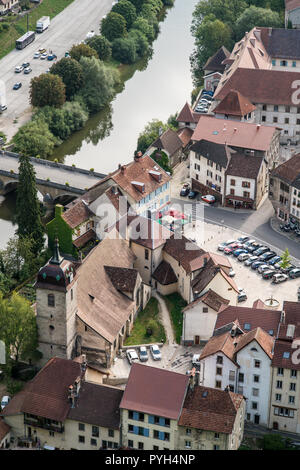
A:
x,y
51,300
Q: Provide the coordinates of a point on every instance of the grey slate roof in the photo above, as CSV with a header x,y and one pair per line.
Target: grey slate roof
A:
x,y
215,62
212,151
282,43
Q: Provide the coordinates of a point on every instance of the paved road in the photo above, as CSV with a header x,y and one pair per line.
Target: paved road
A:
x,y
66,29
254,223
59,175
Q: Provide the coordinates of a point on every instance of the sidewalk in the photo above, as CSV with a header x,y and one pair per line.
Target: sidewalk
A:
x,y
275,225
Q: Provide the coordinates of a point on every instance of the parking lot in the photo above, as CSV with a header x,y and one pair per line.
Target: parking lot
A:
x,y
246,278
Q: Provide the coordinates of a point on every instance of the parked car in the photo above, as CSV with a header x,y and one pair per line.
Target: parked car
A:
x,y
249,242
254,247
19,69
231,273
132,356
243,256
27,70
3,108
44,56
268,274
264,267
208,198
42,50
238,252
294,273
37,55
51,57
143,354
274,260
25,65
241,296
223,245
256,264
230,249
287,270
17,86
251,260
268,255
279,277
261,250
4,401
155,352
185,190
243,239
193,194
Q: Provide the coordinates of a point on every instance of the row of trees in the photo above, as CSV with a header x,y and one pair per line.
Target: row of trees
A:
x,y
223,22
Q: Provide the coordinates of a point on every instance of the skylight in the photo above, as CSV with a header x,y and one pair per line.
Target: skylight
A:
x,y
247,326
286,355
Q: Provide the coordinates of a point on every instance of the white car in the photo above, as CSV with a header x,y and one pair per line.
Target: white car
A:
x,y
196,360
263,267
37,55
132,356
44,56
224,244
143,354
243,256
5,400
231,273
19,69
279,278
155,352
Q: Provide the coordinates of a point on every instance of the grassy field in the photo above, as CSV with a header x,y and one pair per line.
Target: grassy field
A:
x,y
147,318
18,28
175,304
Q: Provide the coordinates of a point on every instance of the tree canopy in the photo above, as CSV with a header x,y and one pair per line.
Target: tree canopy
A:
x,y
34,138
82,50
127,10
150,134
70,72
113,26
102,47
47,90
254,16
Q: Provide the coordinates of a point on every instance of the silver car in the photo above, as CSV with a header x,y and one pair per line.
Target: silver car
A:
x,y
155,352
143,354
132,356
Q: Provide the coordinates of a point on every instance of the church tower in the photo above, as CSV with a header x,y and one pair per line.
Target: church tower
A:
x,y
56,307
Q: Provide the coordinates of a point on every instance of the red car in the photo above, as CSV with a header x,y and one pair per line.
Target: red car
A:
x,y
229,249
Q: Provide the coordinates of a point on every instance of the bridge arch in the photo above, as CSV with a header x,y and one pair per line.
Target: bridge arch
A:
x,y
10,186
64,199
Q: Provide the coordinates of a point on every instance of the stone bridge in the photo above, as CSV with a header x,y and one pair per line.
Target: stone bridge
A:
x,y
56,182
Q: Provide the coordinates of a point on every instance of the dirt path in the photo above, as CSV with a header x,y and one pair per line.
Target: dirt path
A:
x,y
165,318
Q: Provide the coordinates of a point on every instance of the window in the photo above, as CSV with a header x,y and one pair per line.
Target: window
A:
x,y
247,326
293,373
256,363
205,309
287,109
294,64
95,431
146,254
111,433
51,300
188,431
255,378
255,392
188,444
51,433
254,405
130,443
231,375
264,107
275,119
278,397
286,120
245,184
217,435
81,439
156,434
93,442
81,427
241,377
293,387
232,182
219,371
218,384
279,384
246,194
216,447
291,399
280,371
140,445
283,63
275,107
155,447
263,118
219,359
286,355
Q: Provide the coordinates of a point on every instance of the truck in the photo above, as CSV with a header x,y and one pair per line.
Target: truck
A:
x,y
42,24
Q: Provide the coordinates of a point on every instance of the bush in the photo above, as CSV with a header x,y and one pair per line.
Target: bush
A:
x,y
124,50
102,47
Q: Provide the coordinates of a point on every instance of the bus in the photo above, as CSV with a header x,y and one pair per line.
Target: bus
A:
x,y
24,40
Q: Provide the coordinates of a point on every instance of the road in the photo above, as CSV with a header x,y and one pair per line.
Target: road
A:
x,y
253,223
67,28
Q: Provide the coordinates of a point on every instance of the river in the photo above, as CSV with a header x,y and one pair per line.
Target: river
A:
x,y
154,88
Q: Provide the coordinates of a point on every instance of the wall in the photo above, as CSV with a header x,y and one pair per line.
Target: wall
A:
x,y
208,371
223,288
198,323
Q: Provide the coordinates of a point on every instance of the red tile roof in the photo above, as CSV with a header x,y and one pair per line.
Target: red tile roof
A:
x,y
210,298
85,238
164,274
292,312
186,114
292,4
185,135
77,214
222,343
215,62
168,141
265,341
267,319
188,254
235,104
285,347
155,391
210,409
289,170
234,133
244,166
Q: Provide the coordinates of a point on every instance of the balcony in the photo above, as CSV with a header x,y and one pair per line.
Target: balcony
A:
x,y
41,423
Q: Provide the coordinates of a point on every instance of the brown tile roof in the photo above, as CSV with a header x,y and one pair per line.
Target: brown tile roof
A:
x,y
245,166
220,260
254,84
210,298
123,279
288,171
168,141
265,341
281,347
185,135
98,405
267,319
292,312
222,343
186,114
155,391
292,4
258,304
164,274
77,214
235,104
114,195
85,238
187,253
207,274
147,232
210,409
4,429
100,305
215,62
46,394
246,135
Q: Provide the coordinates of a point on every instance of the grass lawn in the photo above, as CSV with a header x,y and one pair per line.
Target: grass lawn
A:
x,y
147,318
16,29
175,304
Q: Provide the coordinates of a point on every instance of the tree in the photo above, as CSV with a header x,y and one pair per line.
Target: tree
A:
x,y
172,122
70,72
102,47
82,50
254,16
99,82
141,24
17,260
285,259
140,41
150,134
124,50
28,212
226,11
47,90
273,442
18,328
138,4
34,138
127,10
113,26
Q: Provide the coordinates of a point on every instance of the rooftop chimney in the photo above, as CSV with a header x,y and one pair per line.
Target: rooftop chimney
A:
x,y
282,318
258,127
235,129
270,31
137,156
123,169
71,396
